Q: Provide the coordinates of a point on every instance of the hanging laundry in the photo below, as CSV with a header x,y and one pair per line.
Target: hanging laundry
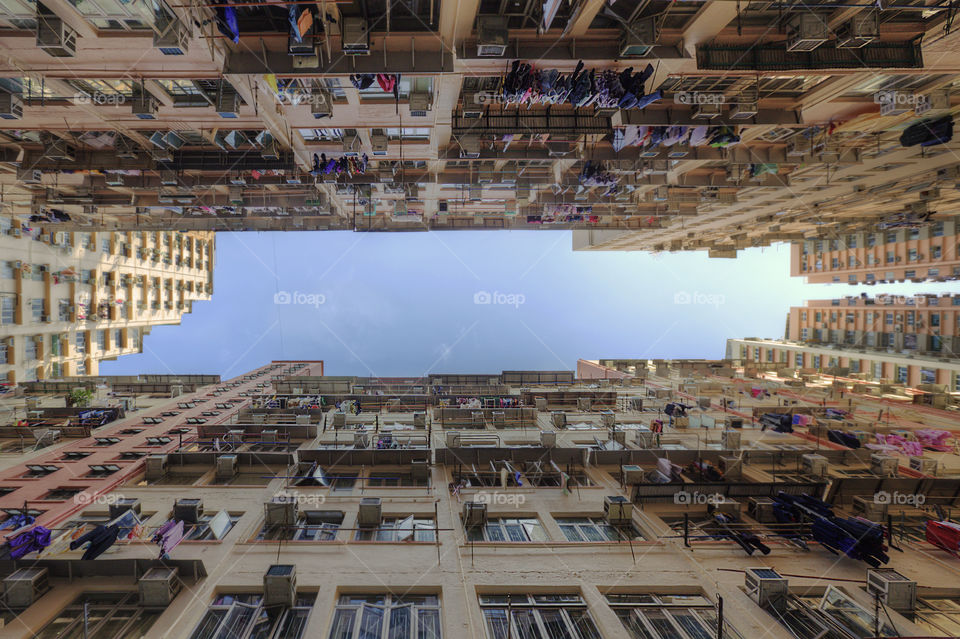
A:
x,y
100,538
305,21
294,27
227,23
928,132
17,521
362,81
35,539
944,534
168,536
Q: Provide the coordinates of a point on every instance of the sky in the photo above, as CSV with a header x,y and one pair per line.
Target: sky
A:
x,y
408,304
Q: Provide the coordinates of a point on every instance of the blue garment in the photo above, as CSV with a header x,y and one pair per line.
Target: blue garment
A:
x,y
227,23
100,538
292,19
35,539
17,521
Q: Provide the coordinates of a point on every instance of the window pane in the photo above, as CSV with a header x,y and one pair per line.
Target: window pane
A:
x,y
399,623
371,623
496,620
526,623
343,624
428,624
553,622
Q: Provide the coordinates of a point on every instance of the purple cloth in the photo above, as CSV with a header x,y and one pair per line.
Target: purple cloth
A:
x,y
171,538
37,538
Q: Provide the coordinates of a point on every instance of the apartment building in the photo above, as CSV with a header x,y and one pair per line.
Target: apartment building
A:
x,y
518,504
881,365
928,253
70,299
198,118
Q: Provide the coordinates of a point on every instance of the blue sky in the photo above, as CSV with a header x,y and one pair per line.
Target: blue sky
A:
x,y
470,301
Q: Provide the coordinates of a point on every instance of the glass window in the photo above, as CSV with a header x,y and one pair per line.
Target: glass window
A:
x,y
233,616
399,529
508,530
587,529
109,615
675,616
386,617
312,525
537,617
211,526
8,303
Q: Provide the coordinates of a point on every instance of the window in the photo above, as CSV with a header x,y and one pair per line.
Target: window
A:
x,y
843,610
508,529
109,615
8,302
211,526
584,529
36,309
102,340
60,494
38,470
102,470
394,479
936,252
553,616
902,374
386,617
74,455
399,529
676,616
245,617
80,342
4,354
63,310
30,348
313,525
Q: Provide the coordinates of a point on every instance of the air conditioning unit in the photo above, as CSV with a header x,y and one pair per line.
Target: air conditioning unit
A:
x,y
145,106
321,103
29,176
360,440
350,143
419,104
227,466
356,36
925,465
228,104
766,587
732,467
584,404
11,106
469,146
24,586
420,469
339,420
558,149
419,420
280,585
617,510
370,512
60,150
894,589
172,37
159,586
280,511
761,509
54,36
14,232
378,142
747,105
632,474
474,514
707,111
122,505
731,439
807,31
188,510
155,466
473,104
859,31
493,33
639,38
869,508
270,150
548,438
453,439
168,178
645,438
558,418
883,465
813,465
608,419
